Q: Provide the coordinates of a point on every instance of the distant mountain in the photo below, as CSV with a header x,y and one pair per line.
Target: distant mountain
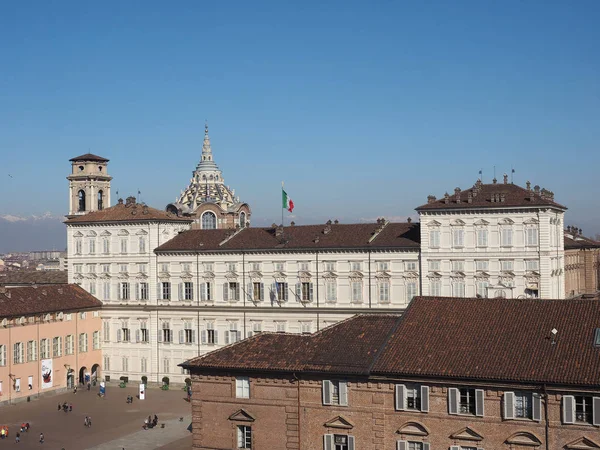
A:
x,y
27,233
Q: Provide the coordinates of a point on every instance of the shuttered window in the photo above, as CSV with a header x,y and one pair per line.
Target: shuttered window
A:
x,y
338,442
335,392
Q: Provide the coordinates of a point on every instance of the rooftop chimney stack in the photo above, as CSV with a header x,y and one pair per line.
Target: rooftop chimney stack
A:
x,y
431,199
457,194
505,179
446,198
470,197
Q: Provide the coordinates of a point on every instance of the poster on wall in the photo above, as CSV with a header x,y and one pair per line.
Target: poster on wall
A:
x,y
47,373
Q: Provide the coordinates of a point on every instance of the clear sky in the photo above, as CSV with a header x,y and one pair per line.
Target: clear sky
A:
x,y
362,107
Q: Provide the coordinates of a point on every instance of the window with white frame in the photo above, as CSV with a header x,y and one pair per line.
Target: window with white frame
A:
x,y
257,291
468,401
532,265
144,332
18,353
164,267
31,351
256,328
231,267
105,268
143,268
123,245
280,266
125,364
92,246
355,266
124,332
304,291
304,266
232,335
507,265
531,236
412,397
83,342
458,266
482,237
231,291
78,268
413,445
188,332
210,335
383,266
2,355
458,237
106,330
305,327
106,362
411,290
209,267
188,290
165,333
356,294
435,287
458,288
335,392
206,291
482,265
584,409
44,348
78,246
338,442
166,365
96,340
143,365
165,290
435,264
280,326
330,290
329,266
143,290
124,268
142,244
410,266
434,238
124,290
92,288
383,291
244,437
255,266
242,387
481,287
280,290
507,237
106,246
69,344
91,268
56,346
106,290
186,267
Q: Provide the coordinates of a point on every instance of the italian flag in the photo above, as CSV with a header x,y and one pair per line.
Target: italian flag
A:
x,y
287,202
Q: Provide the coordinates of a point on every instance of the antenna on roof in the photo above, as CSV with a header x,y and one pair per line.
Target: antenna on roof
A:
x,y
512,173
481,175
139,199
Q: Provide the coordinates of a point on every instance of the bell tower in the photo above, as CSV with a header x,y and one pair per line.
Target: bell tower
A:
x,y
89,184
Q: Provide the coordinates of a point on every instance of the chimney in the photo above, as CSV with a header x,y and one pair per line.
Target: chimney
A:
x,y
120,201
130,201
431,199
457,195
446,198
336,221
580,232
528,185
292,223
327,228
145,210
470,197
494,180
409,220
279,231
502,197
569,229
536,190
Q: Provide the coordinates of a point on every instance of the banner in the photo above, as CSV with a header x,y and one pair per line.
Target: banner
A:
x,y
47,373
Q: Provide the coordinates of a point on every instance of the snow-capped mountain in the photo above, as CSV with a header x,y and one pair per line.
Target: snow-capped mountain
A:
x,y
34,232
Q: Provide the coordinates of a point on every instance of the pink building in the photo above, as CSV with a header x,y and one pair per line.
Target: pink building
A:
x,y
49,340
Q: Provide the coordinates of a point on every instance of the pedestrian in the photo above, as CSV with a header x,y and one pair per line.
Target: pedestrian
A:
x,y
41,438
59,407
75,390
17,437
85,422
89,421
71,407
89,386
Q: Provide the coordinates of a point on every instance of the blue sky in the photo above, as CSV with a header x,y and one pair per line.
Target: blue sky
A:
x,y
363,108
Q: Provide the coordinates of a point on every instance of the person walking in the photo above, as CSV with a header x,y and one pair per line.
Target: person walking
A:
x,y
89,421
85,422
17,437
41,438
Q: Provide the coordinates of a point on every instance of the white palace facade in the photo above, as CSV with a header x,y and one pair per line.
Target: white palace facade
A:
x,y
175,286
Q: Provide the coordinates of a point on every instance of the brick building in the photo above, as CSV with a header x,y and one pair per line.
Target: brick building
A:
x,y
582,264
451,373
49,339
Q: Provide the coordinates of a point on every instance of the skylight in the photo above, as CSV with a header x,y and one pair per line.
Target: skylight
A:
x,y
597,338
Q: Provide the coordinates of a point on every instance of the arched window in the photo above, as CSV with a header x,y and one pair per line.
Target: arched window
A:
x,y
100,200
81,196
209,221
242,220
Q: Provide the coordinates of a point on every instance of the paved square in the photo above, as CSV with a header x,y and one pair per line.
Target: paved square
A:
x,y
115,423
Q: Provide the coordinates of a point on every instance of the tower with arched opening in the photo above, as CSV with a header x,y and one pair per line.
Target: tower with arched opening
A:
x,y
89,184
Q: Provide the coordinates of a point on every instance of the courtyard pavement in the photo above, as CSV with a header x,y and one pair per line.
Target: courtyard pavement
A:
x,y
115,423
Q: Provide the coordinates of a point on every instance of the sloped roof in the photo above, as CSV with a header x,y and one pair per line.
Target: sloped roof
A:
x,y
579,242
130,212
89,157
347,347
394,235
28,300
34,277
496,195
504,340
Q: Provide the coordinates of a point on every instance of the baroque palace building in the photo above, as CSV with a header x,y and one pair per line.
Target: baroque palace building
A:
x,y
182,281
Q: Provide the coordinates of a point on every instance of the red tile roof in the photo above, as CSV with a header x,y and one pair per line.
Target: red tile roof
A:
x,y
25,277
505,340
89,157
493,196
371,235
347,347
579,242
30,300
132,212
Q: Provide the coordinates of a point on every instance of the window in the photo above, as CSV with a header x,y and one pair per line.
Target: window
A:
x,y
482,237
304,291
280,290
143,268
232,335
100,198
242,220
106,331
507,265
434,238
244,436
355,266
31,351
242,387
280,327
231,291
583,409
231,267
2,355
83,343
143,291
255,266
82,315
123,334
257,291
383,266
106,362
186,267
124,268
256,328
123,245
166,290
335,393
305,327
466,401
435,287
383,288
125,364
413,445
92,288
303,266
143,365
78,268
597,338
96,340
81,201
164,267
18,353
481,287
44,348
78,246
458,237
532,265
329,266
411,290
124,291
410,266
92,246
105,246
435,264
356,294
412,397
142,244
523,405
209,221
69,344
280,267
188,334
209,267
458,289
206,291
105,268
330,291
106,290
507,235
482,265
338,442
210,335
458,266
531,236
144,333
165,334
188,290
56,347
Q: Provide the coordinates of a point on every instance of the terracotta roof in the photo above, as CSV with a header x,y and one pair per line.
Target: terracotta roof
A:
x,y
16,277
574,242
496,339
394,235
347,347
504,340
130,212
28,300
89,157
493,196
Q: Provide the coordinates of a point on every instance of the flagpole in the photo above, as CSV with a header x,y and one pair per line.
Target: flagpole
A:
x,y
282,204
